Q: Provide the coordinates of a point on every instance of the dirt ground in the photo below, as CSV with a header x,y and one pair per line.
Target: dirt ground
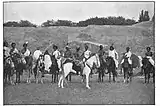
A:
x,y
136,92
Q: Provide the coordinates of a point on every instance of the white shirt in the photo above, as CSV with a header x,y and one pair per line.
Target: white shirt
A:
x,y
27,53
7,51
47,61
112,53
128,54
87,54
56,54
36,54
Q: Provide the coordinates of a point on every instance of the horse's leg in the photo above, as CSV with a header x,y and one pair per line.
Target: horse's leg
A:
x,y
153,76
148,76
124,70
99,76
145,77
87,81
52,78
109,77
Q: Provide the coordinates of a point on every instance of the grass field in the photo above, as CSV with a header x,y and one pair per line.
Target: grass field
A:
x,y
76,93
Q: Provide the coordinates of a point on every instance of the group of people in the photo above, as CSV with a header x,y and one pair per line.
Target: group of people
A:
x,y
69,56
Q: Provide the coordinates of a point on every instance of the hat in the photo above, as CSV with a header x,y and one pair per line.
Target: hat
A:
x,y
148,48
127,48
13,44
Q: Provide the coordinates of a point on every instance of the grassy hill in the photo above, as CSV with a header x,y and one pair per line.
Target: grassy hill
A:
x,y
137,36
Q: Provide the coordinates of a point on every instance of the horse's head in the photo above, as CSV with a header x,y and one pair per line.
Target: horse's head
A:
x,y
109,60
9,61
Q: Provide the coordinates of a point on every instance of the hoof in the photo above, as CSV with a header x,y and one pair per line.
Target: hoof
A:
x,y
88,87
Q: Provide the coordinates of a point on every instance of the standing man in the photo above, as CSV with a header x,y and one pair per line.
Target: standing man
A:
x,y
57,55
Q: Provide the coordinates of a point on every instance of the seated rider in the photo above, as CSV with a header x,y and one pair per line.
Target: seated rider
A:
x,y
128,54
6,49
25,52
68,55
112,53
86,53
101,53
149,55
13,49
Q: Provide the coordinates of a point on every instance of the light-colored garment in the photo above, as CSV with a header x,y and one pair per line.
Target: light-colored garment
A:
x,y
47,62
140,61
57,57
7,51
56,54
15,51
27,53
128,54
114,55
151,60
86,55
36,54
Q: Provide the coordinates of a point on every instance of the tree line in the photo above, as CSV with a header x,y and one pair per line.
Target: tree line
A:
x,y
111,20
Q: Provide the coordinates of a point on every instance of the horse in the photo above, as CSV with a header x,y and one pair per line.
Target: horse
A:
x,y
8,69
19,63
66,69
54,70
127,68
28,67
89,66
101,69
38,69
148,68
111,67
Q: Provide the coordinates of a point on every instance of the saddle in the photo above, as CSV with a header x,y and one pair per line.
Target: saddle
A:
x,y
67,60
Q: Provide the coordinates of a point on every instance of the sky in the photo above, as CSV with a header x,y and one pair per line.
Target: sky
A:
x,y
39,12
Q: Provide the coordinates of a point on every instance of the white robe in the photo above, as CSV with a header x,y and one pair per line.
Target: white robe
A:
x,y
36,54
27,53
128,54
113,54
47,62
57,56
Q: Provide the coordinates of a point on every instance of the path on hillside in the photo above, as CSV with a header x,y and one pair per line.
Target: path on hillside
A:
x,y
101,93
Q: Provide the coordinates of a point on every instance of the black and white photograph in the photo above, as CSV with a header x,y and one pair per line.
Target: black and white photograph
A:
x,y
79,52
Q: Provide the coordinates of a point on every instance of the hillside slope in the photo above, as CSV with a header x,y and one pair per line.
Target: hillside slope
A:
x,y
137,36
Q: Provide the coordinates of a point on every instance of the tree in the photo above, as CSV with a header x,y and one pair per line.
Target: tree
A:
x,y
144,16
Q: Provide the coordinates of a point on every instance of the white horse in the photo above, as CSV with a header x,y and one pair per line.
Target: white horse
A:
x,y
89,65
66,69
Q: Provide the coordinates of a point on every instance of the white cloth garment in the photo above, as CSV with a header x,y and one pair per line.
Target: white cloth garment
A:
x,y
114,55
36,54
151,60
128,54
7,51
47,62
27,53
86,55
57,56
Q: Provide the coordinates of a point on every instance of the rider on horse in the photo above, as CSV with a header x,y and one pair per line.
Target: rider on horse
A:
x,y
101,53
112,53
149,55
6,49
13,49
25,52
128,54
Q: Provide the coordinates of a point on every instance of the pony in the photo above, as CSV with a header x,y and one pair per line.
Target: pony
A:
x,y
8,70
148,68
28,67
127,70
111,67
54,70
19,63
101,69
